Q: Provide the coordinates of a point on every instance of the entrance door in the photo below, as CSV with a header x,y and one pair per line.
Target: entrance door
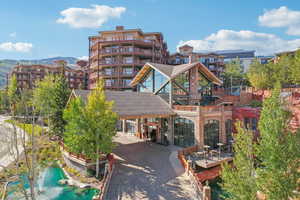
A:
x,y
211,133
184,132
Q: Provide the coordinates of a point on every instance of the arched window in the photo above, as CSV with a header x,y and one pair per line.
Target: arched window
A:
x,y
211,133
184,132
228,129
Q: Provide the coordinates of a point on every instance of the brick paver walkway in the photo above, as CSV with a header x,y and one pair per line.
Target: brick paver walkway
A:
x,y
147,171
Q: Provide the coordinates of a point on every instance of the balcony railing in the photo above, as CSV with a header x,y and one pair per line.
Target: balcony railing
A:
x,y
101,63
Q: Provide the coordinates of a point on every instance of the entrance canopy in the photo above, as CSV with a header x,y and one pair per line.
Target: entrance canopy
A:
x,y
133,105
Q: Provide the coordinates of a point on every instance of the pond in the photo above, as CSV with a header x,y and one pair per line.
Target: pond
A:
x,y
48,187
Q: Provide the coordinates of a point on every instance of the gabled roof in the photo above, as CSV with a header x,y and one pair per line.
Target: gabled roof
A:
x,y
171,71
132,105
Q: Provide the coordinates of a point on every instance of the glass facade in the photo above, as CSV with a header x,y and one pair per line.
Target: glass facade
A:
x,y
184,132
164,93
211,133
153,82
159,80
147,84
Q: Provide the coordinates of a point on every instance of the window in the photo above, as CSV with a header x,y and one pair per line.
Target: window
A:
x,y
128,60
186,60
108,60
107,49
147,84
108,71
159,80
129,37
126,82
211,133
164,93
128,71
250,123
109,82
184,132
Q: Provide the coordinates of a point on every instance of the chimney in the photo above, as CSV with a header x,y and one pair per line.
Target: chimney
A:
x,y
119,28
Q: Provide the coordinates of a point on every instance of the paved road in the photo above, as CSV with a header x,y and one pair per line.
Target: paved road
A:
x,y
147,171
6,138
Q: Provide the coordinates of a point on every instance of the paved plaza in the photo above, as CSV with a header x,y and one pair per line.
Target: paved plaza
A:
x,y
7,152
147,171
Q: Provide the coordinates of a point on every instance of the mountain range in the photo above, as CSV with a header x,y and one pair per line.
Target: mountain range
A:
x,y
6,65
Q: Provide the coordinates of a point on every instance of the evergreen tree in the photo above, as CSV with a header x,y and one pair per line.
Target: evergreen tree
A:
x,y
12,92
295,69
74,135
278,151
43,96
61,95
239,179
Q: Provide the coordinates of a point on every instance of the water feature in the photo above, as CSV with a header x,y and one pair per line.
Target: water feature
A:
x,y
48,187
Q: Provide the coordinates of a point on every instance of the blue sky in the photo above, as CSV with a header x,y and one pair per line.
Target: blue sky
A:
x,y
36,29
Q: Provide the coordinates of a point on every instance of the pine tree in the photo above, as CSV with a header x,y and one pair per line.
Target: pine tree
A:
x,y
238,181
12,92
61,95
278,151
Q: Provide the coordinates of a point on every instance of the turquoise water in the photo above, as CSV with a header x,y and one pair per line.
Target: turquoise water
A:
x,y
49,189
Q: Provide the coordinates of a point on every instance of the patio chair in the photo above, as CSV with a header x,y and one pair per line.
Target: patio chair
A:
x,y
213,152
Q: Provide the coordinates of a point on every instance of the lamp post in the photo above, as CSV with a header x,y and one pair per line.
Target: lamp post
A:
x,y
206,148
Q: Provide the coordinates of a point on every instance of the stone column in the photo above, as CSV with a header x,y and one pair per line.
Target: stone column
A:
x,y
201,128
124,126
138,129
171,130
206,193
197,131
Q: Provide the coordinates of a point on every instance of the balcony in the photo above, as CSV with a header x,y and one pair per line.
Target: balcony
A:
x,y
143,42
118,63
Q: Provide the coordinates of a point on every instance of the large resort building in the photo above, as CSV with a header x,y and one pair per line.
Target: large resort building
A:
x,y
117,56
186,54
172,105
28,75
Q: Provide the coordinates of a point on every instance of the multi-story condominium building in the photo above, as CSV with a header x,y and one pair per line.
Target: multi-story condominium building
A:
x,y
213,61
117,55
246,57
28,75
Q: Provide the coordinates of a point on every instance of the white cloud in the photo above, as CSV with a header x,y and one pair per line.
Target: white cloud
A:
x,y
282,17
83,58
16,47
263,43
13,35
89,17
